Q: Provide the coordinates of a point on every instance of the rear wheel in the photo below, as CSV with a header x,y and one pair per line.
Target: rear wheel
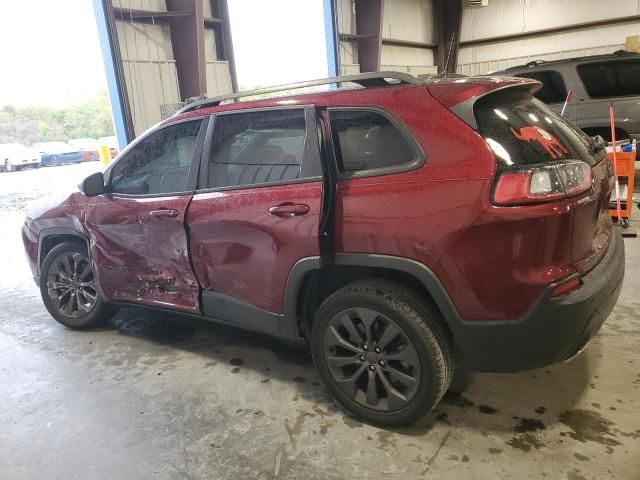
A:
x,y
69,290
381,351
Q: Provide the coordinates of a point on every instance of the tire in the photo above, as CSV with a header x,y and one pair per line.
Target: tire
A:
x,y
68,288
418,339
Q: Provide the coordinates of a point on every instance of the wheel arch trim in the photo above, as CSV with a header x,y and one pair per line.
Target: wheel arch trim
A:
x,y
422,273
57,231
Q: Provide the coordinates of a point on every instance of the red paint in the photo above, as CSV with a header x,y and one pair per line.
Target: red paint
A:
x,y
493,261
242,250
544,138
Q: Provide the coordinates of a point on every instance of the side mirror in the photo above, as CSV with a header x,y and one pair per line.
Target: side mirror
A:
x,y
93,185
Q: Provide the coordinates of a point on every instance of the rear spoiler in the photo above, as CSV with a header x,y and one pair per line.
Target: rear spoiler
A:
x,y
460,95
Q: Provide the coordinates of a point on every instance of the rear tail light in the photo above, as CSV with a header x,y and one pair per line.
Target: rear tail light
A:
x,y
566,286
542,183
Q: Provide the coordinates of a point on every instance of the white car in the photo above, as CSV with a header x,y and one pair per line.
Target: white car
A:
x,y
14,156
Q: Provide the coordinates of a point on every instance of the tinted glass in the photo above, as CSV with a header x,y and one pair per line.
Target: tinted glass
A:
x,y
553,89
257,147
521,129
158,164
366,140
615,78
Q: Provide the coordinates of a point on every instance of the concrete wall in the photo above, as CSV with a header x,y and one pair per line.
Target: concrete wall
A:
x,y
503,17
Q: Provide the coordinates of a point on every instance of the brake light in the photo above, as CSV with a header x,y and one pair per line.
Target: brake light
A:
x,y
542,183
566,286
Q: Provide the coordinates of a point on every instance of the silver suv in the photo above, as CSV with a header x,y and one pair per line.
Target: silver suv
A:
x,y
596,82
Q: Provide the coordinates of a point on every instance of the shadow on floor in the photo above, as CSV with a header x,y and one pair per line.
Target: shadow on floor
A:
x,y
484,402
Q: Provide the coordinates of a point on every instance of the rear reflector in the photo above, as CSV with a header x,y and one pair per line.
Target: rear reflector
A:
x,y
566,286
542,183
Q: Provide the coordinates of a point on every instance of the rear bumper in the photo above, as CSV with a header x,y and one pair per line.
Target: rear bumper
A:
x,y
554,330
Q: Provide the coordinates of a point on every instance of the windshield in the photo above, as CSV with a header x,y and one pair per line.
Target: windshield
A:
x,y
521,129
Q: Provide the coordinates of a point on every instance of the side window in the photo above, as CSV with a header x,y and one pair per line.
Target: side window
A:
x,y
616,78
553,88
158,164
368,140
254,148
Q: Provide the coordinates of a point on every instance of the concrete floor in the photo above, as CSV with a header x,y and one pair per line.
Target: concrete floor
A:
x,y
165,397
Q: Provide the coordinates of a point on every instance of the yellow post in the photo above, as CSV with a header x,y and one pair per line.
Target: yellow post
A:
x,y
105,155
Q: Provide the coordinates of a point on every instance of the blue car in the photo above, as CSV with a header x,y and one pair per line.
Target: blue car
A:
x,y
57,153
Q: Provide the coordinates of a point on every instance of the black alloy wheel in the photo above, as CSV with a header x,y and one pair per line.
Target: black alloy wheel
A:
x,y
382,350
71,285
371,359
69,289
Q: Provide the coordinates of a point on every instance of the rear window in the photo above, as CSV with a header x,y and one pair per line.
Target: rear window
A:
x,y
521,129
616,78
553,88
367,140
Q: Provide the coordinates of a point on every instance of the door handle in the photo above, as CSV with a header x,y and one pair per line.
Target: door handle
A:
x,y
164,213
289,210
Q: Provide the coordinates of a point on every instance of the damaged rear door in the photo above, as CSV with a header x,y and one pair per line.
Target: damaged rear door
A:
x,y
139,245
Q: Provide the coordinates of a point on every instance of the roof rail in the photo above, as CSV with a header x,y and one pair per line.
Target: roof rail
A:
x,y
371,79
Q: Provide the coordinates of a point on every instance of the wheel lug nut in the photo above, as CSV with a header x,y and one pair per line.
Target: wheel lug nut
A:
x,y
377,349
362,358
372,367
365,347
381,363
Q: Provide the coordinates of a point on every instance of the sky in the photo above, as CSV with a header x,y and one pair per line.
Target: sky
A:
x,y
50,53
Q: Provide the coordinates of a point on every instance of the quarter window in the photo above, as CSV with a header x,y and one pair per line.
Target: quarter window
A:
x,y
553,88
368,140
158,164
256,148
616,78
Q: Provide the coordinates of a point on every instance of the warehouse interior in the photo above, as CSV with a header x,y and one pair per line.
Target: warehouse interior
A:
x,y
162,395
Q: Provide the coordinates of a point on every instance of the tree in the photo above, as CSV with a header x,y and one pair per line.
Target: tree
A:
x,y
30,124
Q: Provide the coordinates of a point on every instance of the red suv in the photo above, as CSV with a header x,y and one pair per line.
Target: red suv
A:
x,y
398,229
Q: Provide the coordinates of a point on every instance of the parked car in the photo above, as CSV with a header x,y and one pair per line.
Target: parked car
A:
x,y
112,143
596,82
398,230
89,148
14,156
57,153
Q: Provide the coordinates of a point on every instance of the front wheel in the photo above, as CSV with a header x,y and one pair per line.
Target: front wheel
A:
x,y
381,350
69,290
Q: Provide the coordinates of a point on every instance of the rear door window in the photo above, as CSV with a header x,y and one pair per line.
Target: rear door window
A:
x,y
553,88
521,129
261,147
615,78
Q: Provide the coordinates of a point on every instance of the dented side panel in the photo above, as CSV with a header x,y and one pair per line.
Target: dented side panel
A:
x,y
139,257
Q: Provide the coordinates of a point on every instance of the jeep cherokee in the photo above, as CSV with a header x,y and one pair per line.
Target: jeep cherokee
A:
x,y
396,229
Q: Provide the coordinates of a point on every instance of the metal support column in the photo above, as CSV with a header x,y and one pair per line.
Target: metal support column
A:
x,y
448,16
331,38
187,38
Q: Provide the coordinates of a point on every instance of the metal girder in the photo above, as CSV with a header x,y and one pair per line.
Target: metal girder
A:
x,y
369,34
448,18
551,31
187,39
